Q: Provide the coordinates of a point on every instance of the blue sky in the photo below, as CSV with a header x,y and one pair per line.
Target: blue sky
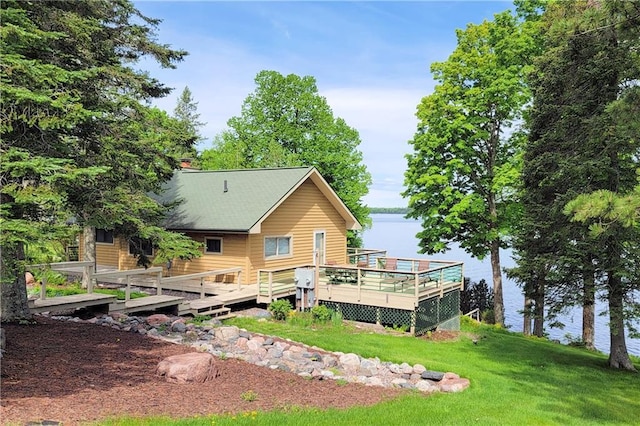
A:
x,y
370,60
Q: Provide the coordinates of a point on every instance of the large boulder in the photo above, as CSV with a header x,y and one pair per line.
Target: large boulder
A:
x,y
158,319
28,277
195,367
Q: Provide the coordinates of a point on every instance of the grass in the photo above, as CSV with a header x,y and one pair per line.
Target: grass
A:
x,y
68,289
514,381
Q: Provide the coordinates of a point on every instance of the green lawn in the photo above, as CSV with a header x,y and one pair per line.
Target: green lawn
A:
x,y
514,381
67,289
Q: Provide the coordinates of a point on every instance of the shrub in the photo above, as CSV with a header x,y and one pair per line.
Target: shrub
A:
x,y
280,309
488,317
200,319
321,314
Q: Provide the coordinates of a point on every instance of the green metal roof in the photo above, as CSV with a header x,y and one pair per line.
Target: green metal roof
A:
x,y
234,200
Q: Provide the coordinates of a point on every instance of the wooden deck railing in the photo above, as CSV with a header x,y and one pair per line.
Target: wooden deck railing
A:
x,y
181,279
403,287
62,266
156,271
276,283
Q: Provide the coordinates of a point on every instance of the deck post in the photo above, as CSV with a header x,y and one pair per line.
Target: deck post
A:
x,y
201,287
43,287
239,283
270,282
87,276
127,291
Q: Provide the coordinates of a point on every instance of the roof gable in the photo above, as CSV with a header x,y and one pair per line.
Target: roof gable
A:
x,y
238,200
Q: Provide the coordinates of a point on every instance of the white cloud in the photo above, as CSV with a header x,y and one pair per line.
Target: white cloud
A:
x,y
385,119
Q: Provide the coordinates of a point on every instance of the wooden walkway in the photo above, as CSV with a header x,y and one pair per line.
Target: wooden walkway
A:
x,y
94,301
149,303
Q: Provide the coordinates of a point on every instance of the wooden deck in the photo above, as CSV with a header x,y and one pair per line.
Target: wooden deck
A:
x,y
386,288
95,301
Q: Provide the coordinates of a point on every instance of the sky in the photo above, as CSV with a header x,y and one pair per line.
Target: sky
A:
x,y
371,61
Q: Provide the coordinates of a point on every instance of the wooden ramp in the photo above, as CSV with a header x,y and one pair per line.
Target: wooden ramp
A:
x,y
150,303
247,293
95,301
215,305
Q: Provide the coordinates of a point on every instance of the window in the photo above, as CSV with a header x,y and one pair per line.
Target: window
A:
x,y
104,236
213,245
277,246
138,245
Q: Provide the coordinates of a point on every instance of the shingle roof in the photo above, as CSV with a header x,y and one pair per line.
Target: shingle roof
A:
x,y
236,200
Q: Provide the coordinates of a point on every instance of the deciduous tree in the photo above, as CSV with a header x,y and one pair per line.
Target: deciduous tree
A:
x,y
285,122
462,175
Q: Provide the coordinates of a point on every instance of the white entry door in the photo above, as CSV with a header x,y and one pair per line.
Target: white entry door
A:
x,y
319,239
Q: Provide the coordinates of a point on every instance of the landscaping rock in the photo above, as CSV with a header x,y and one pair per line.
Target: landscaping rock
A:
x,y
273,353
432,375
453,384
195,367
178,327
158,319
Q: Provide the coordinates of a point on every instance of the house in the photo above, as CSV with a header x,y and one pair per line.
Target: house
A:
x,y
254,219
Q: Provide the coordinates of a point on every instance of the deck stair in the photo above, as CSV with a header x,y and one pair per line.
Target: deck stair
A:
x,y
211,306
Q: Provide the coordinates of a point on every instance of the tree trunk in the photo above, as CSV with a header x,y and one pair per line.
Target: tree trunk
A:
x,y
498,301
589,310
89,251
528,307
13,303
538,310
618,355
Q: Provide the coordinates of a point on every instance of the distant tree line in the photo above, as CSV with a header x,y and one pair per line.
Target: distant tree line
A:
x,y
389,210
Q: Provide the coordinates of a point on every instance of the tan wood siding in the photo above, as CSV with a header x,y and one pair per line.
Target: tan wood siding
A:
x,y
233,256
305,211
126,260
106,254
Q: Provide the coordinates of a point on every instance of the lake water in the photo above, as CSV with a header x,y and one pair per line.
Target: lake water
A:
x,y
397,235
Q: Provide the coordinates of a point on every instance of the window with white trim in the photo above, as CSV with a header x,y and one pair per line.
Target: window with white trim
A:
x,y
277,246
104,236
139,245
213,245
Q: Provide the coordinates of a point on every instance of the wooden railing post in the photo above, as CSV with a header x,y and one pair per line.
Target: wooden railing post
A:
x,y
159,276
127,291
239,283
87,276
270,283
43,287
201,287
